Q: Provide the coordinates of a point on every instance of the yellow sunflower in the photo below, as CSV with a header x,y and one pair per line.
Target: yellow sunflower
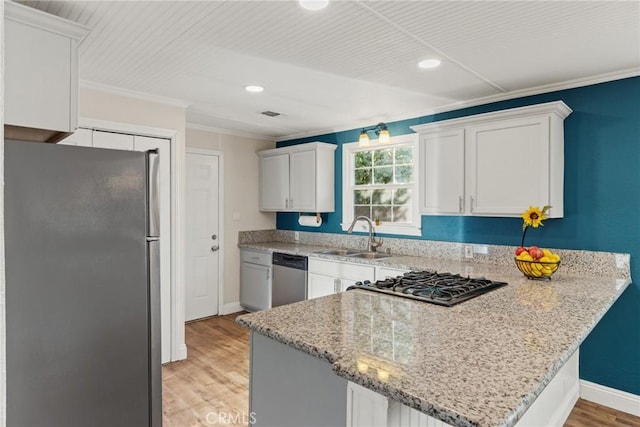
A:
x,y
534,216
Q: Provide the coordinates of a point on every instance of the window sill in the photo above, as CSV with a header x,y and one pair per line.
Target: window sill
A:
x,y
400,230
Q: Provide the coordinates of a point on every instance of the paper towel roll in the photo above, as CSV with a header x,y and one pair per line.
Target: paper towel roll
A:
x,y
310,221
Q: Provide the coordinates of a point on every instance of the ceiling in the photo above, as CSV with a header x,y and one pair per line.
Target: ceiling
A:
x,y
350,65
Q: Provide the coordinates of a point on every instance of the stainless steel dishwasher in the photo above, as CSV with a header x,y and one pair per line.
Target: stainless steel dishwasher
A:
x,y
289,282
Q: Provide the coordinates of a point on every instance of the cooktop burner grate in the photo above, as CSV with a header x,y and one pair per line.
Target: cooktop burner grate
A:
x,y
438,288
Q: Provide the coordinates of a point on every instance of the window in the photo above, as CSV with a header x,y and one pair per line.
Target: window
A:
x,y
380,182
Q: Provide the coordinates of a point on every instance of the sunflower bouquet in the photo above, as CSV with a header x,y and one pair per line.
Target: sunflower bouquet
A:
x,y
534,262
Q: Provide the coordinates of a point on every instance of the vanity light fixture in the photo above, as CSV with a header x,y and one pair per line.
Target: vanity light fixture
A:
x,y
254,88
381,131
313,4
429,63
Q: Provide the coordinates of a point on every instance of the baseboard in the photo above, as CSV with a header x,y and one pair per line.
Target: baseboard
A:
x,y
181,353
610,397
232,307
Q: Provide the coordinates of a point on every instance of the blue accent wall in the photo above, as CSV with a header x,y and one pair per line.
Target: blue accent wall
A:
x,y
602,209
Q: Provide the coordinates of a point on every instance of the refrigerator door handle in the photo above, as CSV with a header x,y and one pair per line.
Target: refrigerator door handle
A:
x,y
155,366
153,192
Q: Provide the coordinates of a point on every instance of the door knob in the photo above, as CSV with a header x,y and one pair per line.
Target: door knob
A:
x,y
214,248
214,236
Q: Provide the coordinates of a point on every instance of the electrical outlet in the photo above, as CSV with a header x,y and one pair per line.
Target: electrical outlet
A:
x,y
468,251
296,236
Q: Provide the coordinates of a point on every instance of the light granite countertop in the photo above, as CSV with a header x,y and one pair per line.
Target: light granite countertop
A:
x,y
479,363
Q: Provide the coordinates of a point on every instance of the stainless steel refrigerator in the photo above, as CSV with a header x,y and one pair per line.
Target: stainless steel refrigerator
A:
x,y
82,287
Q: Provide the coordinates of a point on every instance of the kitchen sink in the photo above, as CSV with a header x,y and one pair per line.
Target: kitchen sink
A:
x,y
341,252
370,255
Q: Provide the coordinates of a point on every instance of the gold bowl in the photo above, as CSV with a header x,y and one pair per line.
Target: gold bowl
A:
x,y
537,269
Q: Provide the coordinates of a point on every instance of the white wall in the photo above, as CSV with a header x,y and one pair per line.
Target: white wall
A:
x,y
240,196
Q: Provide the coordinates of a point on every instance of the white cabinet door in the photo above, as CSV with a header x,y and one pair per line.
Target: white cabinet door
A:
x,y
255,286
508,166
365,408
319,285
302,180
81,138
384,272
345,283
274,182
442,172
37,78
115,141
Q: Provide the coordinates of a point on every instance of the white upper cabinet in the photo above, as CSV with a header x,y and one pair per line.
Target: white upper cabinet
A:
x,y
274,182
442,172
494,164
41,74
299,178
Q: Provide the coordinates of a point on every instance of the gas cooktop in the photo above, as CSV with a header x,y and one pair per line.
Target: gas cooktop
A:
x,y
437,288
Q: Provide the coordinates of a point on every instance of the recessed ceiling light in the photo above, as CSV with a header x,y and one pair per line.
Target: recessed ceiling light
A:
x,y
429,63
313,4
254,88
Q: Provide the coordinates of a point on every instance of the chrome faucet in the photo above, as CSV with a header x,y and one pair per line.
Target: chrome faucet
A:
x,y
373,243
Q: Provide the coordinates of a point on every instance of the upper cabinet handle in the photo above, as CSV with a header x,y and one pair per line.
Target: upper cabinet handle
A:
x,y
471,205
460,204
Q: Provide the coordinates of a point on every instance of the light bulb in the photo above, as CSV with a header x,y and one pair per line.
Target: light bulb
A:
x,y
363,141
313,4
254,88
384,137
429,63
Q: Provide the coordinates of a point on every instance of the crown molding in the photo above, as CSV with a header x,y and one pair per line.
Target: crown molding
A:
x,y
196,126
37,18
558,108
554,87
158,99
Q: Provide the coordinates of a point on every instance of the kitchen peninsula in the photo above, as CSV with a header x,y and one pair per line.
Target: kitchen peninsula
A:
x,y
483,362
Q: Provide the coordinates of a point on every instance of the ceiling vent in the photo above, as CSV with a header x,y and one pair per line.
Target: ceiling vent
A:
x,y
271,113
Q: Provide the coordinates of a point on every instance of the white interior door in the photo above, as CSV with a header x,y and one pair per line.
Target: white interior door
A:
x,y
144,143
203,243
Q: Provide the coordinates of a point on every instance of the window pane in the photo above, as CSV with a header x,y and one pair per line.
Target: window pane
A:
x,y
363,176
404,155
381,197
382,184
382,213
404,174
402,213
362,211
383,157
383,175
362,197
401,196
363,159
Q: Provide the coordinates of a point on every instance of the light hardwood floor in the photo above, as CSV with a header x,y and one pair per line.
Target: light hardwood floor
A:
x,y
211,386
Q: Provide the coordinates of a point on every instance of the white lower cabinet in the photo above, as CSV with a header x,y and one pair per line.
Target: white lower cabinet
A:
x,y
255,279
384,272
320,285
551,408
365,408
329,277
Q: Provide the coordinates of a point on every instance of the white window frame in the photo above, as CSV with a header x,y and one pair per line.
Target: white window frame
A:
x,y
411,229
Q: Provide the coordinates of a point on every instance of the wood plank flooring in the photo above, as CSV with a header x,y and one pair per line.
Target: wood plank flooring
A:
x,y
211,386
